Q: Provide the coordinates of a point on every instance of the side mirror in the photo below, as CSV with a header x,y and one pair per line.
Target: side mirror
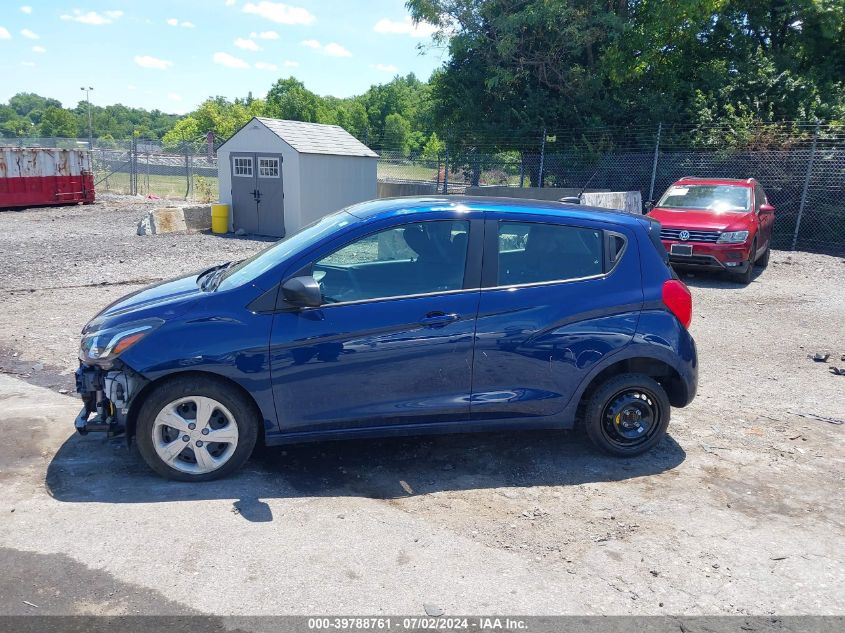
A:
x,y
571,199
303,292
766,208
649,206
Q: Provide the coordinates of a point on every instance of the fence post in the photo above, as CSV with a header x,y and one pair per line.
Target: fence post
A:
x,y
654,164
437,178
542,160
446,172
806,184
133,153
521,169
188,171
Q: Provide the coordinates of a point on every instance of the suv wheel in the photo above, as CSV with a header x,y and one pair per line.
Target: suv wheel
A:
x,y
745,277
627,415
764,258
196,429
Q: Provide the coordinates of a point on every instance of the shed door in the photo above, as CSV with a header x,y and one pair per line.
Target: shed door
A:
x,y
244,201
270,196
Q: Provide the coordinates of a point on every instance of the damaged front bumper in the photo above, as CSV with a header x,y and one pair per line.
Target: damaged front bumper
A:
x,y
106,395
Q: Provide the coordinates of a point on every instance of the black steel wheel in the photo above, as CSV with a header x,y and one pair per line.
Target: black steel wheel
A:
x,y
628,414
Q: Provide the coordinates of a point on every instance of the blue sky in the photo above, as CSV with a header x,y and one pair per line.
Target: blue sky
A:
x,y
172,55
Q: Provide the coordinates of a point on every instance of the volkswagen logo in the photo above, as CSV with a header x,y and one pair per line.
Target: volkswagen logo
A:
x,y
684,235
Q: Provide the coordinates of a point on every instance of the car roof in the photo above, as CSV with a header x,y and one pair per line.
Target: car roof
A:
x,y
734,182
387,207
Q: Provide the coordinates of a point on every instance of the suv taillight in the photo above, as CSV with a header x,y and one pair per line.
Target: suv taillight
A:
x,y
678,299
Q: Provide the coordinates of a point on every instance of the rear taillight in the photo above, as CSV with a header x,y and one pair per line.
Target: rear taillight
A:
x,y
678,299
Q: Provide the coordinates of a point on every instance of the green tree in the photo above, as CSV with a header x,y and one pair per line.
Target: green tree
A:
x,y
58,122
397,132
516,68
433,147
290,99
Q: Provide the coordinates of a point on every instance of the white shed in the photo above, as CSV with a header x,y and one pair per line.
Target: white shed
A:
x,y
279,176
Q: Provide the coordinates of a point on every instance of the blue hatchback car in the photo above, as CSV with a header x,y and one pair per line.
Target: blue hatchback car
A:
x,y
397,317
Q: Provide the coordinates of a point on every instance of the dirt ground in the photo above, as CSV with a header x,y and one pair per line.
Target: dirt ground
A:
x,y
739,511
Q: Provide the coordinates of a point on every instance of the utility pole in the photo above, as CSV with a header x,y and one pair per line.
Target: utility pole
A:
x,y
90,127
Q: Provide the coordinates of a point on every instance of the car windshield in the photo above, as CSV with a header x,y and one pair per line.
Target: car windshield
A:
x,y
250,269
717,198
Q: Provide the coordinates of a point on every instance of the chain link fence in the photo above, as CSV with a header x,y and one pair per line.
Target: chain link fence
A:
x,y
800,165
181,171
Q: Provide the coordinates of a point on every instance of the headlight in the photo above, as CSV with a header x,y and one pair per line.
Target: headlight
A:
x,y
733,237
102,346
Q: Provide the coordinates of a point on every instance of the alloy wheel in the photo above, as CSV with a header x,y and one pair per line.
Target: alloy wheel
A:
x,y
195,434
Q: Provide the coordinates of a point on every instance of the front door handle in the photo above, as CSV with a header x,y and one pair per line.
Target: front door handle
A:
x,y
439,319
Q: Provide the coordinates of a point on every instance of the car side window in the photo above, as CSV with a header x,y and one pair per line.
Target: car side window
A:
x,y
759,197
410,259
531,252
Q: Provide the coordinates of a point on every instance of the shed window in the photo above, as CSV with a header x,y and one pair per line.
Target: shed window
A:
x,y
268,167
243,167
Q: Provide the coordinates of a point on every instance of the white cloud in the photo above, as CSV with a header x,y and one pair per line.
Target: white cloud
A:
x,y
265,66
265,35
385,68
148,61
26,9
229,61
173,96
280,13
231,3
39,49
247,45
4,34
333,49
92,17
386,26
176,22
131,87
29,64
291,64
30,35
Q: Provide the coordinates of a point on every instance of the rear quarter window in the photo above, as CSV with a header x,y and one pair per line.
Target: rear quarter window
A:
x,y
533,252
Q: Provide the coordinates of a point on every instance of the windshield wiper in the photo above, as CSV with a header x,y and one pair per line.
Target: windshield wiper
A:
x,y
211,275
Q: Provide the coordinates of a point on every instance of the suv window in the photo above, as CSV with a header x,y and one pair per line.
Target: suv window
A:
x,y
531,252
759,197
416,258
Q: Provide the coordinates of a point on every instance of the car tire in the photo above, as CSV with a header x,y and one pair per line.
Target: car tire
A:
x,y
611,419
746,277
190,410
763,262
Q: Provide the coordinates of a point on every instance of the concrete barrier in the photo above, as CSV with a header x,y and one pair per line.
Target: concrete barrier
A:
x,y
533,193
399,189
627,201
175,220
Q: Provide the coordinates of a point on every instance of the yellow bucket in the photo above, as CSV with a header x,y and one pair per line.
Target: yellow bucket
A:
x,y
219,218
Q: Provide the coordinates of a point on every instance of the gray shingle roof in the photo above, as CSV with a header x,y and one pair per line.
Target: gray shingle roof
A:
x,y
317,138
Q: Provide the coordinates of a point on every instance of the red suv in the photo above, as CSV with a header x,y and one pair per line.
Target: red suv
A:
x,y
716,223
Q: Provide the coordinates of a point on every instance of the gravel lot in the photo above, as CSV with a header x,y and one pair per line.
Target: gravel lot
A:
x,y
740,510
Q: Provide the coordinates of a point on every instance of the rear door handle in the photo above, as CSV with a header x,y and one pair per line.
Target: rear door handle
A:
x,y
439,319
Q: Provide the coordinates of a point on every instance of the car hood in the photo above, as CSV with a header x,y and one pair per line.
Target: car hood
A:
x,y
699,220
164,300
